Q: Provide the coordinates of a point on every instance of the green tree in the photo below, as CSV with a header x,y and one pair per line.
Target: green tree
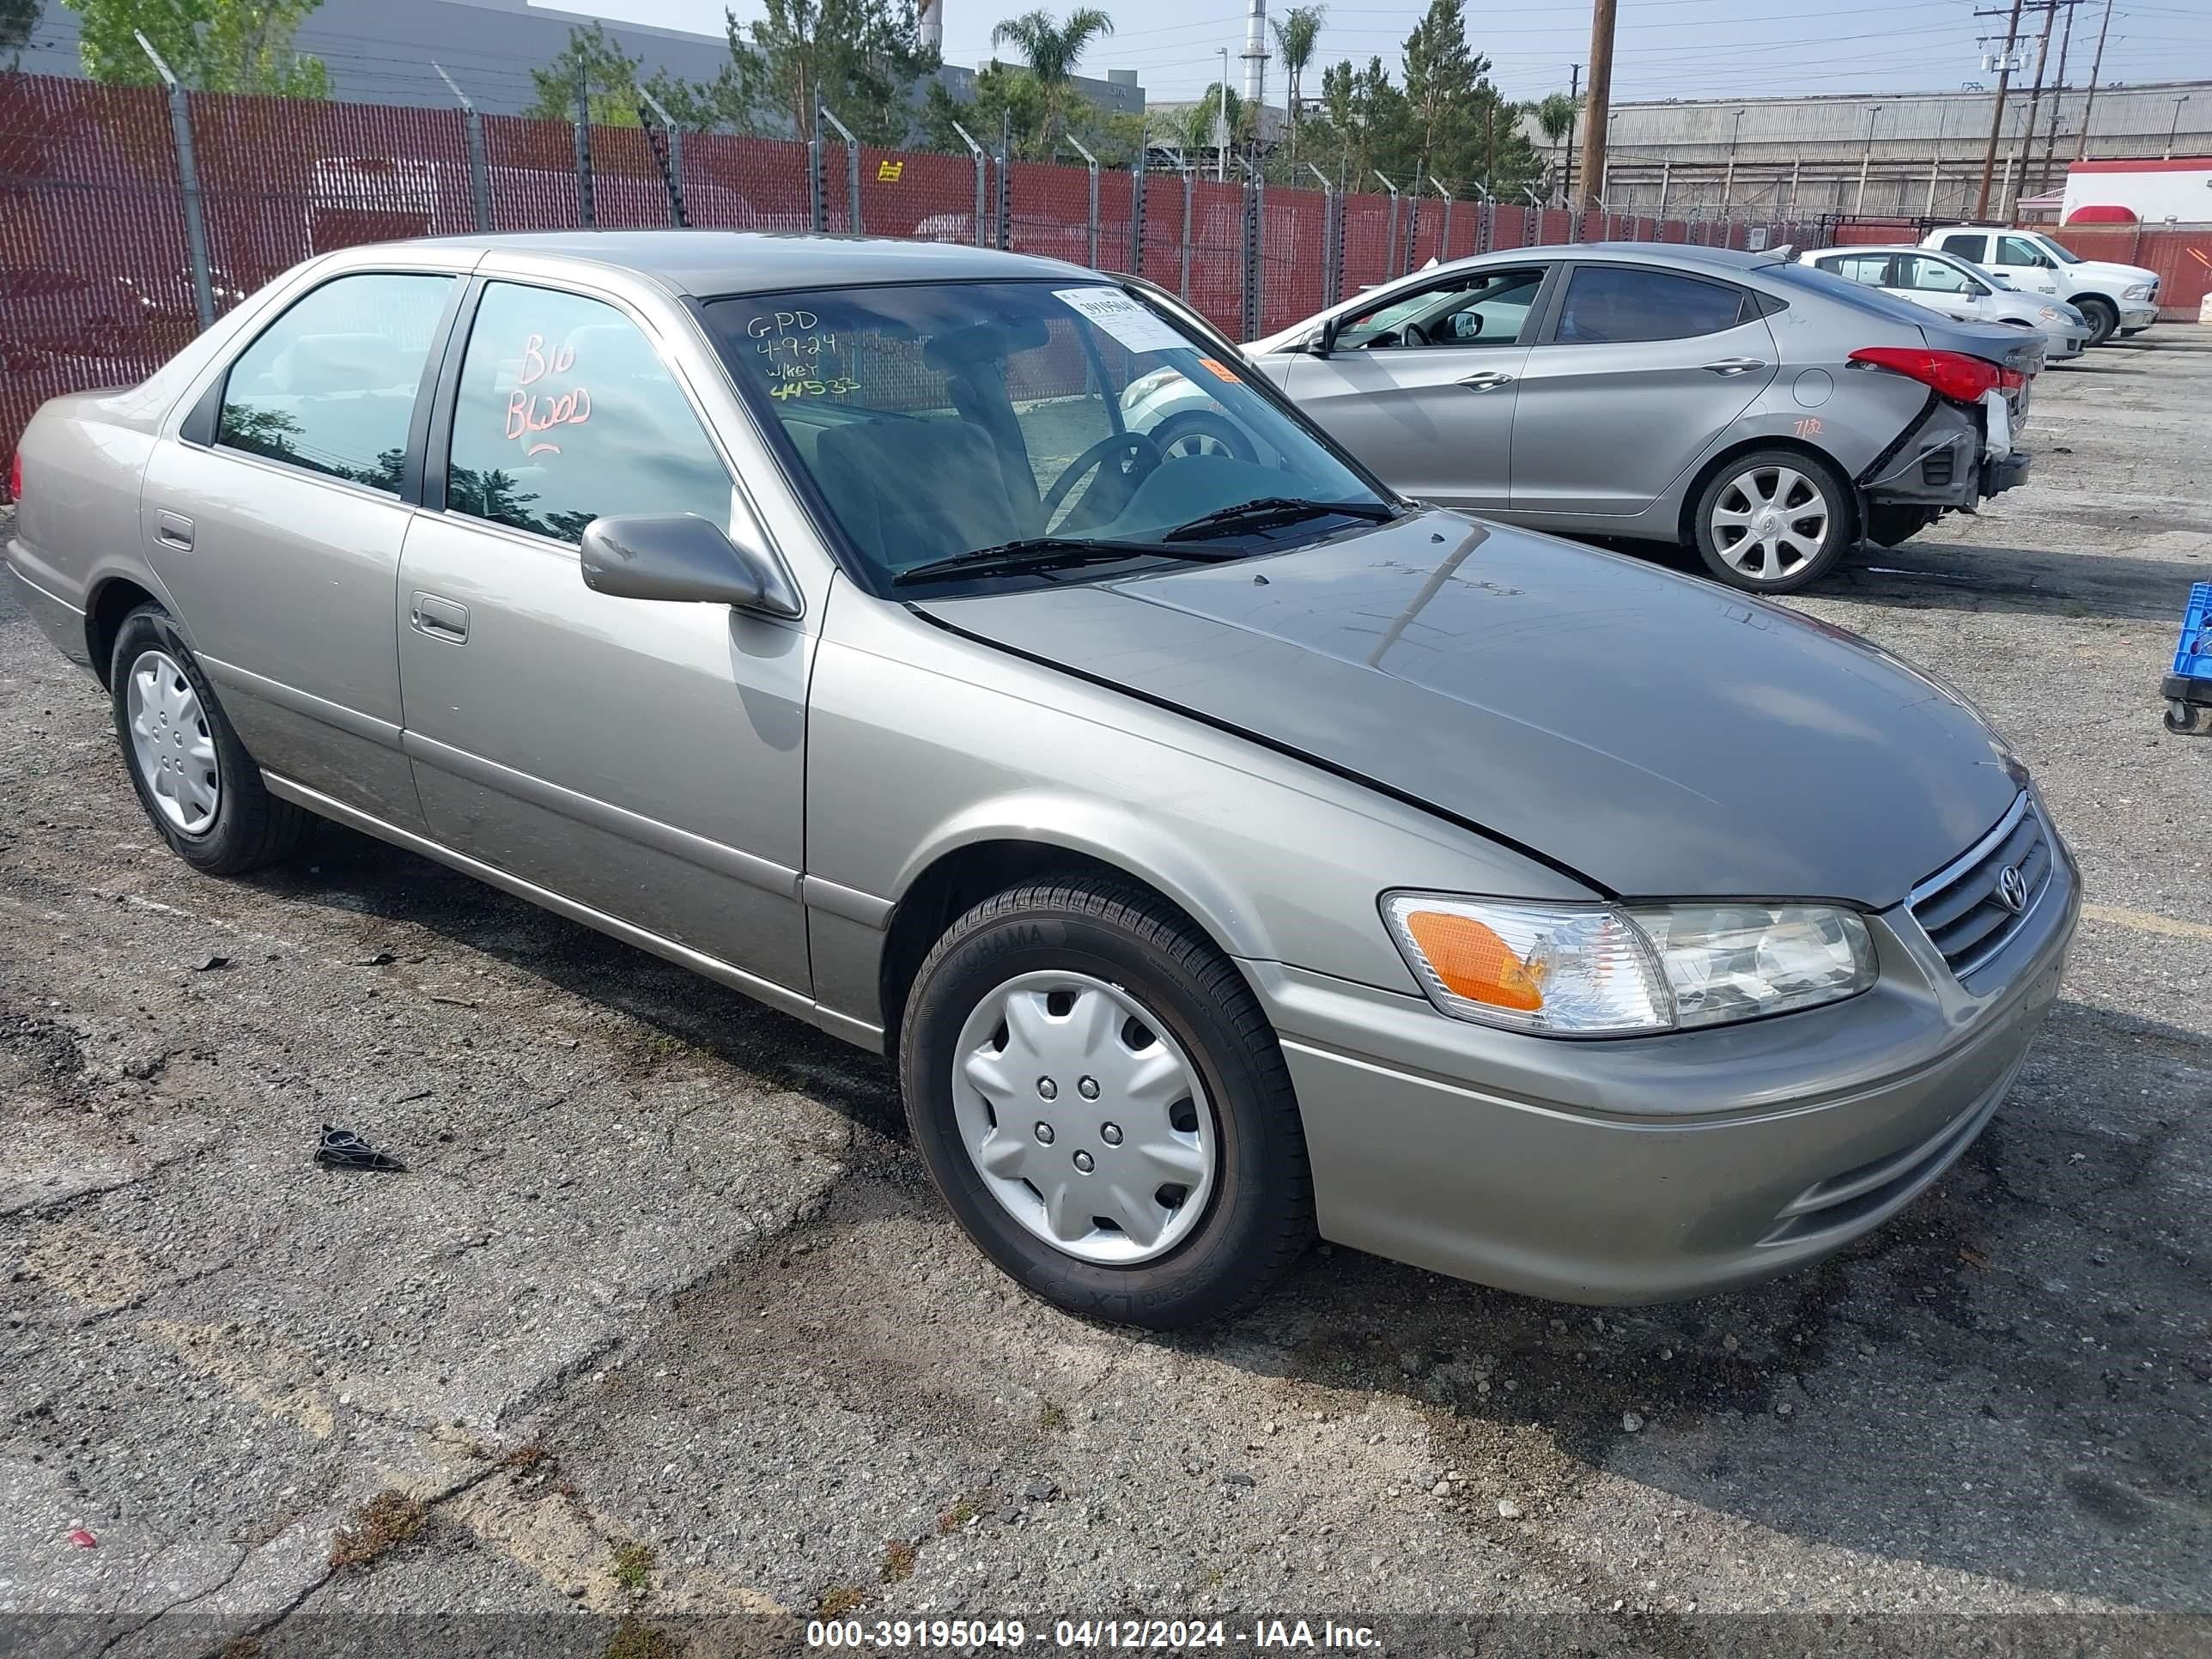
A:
x,y
1005,94
1364,124
610,74
1051,51
860,58
1297,32
1201,124
1443,91
212,46
17,19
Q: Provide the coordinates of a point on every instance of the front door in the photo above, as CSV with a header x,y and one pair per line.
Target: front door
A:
x,y
1422,386
274,520
1644,369
2026,265
644,759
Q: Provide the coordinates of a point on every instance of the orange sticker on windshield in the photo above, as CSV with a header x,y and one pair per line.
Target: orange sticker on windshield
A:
x,y
1219,370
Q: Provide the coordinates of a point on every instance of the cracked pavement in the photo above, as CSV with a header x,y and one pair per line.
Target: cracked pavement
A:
x,y
664,1320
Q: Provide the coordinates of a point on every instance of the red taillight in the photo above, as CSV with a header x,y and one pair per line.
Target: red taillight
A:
x,y
16,477
1953,373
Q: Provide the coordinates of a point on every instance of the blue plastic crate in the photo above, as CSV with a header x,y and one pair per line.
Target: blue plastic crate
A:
x,y
2188,689
2192,657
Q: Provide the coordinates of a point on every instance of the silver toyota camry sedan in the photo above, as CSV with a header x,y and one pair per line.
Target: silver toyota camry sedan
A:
x,y
1227,850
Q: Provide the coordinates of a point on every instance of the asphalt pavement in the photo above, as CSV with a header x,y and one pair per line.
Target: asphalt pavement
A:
x,y
663,1323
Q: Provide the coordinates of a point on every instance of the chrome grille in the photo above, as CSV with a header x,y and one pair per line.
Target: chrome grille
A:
x,y
1973,908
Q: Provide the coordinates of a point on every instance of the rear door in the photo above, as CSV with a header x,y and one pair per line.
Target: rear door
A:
x,y
1638,372
275,515
1421,385
1971,246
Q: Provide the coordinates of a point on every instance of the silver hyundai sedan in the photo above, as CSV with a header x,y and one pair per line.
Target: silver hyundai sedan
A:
x,y
1228,849
1766,415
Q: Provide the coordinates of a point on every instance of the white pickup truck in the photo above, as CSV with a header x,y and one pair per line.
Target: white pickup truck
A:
x,y
2115,298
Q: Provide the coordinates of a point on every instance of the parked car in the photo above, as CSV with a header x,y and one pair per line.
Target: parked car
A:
x,y
2115,298
1224,850
1763,412
1958,289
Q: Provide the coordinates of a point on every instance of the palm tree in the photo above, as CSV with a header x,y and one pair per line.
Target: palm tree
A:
x,y
1052,50
1555,113
1296,33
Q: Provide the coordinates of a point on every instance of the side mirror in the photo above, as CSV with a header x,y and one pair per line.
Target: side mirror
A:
x,y
686,559
1322,340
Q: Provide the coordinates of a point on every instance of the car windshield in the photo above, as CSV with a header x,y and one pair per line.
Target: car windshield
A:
x,y
2058,250
1029,431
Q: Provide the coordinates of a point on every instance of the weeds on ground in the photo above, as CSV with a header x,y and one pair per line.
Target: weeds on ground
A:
x,y
242,1647
1051,1414
837,1600
385,1522
634,1639
526,1460
634,1567
961,1512
898,1561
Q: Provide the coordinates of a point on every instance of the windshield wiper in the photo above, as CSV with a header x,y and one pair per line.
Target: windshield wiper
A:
x,y
1049,553
1270,510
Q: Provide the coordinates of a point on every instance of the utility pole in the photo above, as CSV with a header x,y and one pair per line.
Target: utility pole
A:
x,y
2057,99
1600,100
1574,97
2035,95
2082,150
1996,118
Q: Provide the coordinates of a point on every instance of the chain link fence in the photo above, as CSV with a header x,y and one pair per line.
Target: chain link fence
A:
x,y
103,275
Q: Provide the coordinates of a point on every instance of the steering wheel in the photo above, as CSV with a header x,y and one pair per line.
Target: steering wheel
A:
x,y
1143,456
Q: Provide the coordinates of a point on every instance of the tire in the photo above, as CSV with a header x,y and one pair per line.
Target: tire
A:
x,y
1893,527
199,786
2103,319
1215,1117
1202,432
1786,493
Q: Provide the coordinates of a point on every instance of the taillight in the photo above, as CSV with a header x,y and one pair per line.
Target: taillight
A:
x,y
1953,373
16,477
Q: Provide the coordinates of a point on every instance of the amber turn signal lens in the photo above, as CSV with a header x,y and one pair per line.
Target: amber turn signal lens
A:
x,y
1472,962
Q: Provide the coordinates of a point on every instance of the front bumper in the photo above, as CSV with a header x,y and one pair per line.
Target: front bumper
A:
x,y
1647,1168
2136,315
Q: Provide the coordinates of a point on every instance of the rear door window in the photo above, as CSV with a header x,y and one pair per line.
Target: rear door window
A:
x,y
1968,244
566,414
1926,275
1611,305
1871,269
330,385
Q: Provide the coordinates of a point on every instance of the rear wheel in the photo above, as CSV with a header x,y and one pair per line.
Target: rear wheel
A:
x,y
1772,521
2103,319
1104,1105
193,776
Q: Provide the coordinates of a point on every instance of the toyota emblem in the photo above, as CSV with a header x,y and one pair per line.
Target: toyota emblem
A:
x,y
2012,888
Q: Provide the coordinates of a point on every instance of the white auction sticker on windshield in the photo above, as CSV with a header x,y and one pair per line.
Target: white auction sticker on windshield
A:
x,y
1135,326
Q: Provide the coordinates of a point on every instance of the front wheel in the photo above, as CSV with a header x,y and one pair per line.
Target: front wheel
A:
x,y
1100,1099
2102,318
1773,520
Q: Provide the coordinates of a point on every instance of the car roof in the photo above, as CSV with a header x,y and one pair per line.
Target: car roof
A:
x,y
1877,247
714,262
1687,253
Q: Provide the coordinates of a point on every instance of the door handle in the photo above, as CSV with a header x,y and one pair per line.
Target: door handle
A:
x,y
1485,379
1733,365
440,619
173,530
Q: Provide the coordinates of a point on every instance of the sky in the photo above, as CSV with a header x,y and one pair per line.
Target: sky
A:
x,y
1664,48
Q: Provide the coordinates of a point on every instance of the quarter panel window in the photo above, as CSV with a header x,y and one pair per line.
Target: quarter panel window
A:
x,y
1614,304
566,414
330,385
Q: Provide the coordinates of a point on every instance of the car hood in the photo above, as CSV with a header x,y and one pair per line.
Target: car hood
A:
x,y
1661,737
2111,271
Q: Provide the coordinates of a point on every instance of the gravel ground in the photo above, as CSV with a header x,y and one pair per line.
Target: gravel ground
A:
x,y
665,1322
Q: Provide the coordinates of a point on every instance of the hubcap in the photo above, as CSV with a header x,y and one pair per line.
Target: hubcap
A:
x,y
1118,1167
171,742
1196,443
1770,522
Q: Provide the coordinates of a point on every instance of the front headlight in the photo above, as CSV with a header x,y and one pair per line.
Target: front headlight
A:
x,y
1599,970
2047,315
2140,291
